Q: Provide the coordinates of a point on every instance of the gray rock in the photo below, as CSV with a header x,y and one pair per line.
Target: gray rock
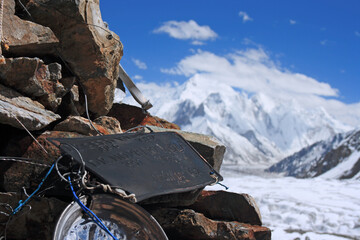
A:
x,y
30,76
209,147
31,113
25,38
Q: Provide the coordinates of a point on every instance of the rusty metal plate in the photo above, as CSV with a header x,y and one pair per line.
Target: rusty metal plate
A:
x,y
125,221
146,164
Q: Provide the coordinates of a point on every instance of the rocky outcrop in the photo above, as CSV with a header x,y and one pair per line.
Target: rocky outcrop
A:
x,y
91,50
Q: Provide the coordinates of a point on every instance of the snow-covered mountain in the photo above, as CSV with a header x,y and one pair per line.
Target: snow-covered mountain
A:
x,y
337,157
255,128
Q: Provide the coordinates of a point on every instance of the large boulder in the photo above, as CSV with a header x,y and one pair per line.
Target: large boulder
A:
x,y
25,38
190,225
14,107
229,206
91,50
30,76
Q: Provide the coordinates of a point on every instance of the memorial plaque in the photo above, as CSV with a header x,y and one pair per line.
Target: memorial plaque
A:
x,y
146,164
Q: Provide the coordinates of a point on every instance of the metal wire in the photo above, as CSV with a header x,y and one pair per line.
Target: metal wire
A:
x,y
23,160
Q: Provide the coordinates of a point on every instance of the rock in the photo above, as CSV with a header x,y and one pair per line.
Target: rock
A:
x,y
130,116
92,51
209,147
109,123
37,223
28,148
30,113
82,126
190,225
228,206
25,38
30,76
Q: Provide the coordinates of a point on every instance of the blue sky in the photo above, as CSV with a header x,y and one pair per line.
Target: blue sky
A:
x,y
318,39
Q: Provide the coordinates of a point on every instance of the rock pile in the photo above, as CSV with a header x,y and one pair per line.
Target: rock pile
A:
x,y
59,60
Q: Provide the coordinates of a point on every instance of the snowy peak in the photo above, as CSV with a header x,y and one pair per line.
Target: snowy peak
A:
x,y
336,157
255,128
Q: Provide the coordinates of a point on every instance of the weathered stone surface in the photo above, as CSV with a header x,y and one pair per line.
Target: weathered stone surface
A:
x,y
109,123
25,38
228,206
188,224
30,76
31,113
131,116
37,223
28,148
92,51
81,125
209,147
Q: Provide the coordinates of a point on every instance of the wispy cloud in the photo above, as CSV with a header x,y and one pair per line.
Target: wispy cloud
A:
x,y
324,42
357,33
245,16
139,64
292,22
138,77
187,31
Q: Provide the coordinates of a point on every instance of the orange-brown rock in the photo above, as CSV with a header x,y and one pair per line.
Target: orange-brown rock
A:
x,y
82,126
131,116
91,50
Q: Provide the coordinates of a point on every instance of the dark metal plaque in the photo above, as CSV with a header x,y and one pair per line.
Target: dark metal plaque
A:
x,y
146,164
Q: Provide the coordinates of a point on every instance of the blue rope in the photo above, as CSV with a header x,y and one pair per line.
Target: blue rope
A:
x,y
90,213
23,203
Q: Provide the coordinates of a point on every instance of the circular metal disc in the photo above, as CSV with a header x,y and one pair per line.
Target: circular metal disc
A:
x,y
125,221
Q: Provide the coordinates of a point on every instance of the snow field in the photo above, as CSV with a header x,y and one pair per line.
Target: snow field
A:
x,y
309,209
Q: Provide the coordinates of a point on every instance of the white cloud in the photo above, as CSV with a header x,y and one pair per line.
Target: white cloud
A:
x,y
187,30
324,42
139,64
137,77
357,33
292,22
253,71
245,16
198,43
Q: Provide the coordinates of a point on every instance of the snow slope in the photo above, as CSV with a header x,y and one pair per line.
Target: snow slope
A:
x,y
255,128
336,157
